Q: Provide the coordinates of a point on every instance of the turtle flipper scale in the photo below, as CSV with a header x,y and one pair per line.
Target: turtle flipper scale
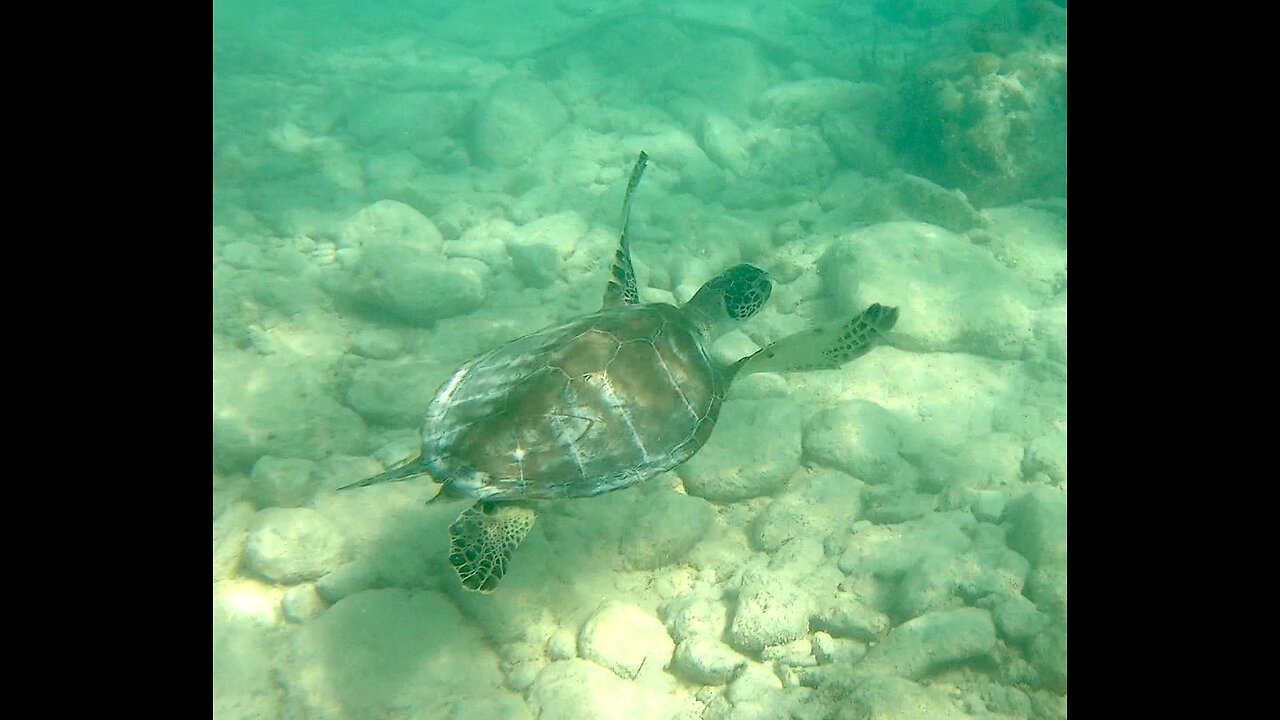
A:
x,y
482,540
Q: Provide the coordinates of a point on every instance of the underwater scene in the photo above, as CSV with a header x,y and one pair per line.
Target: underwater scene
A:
x,y
644,359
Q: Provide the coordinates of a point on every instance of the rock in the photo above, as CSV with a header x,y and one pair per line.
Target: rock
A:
x,y
889,551
706,661
1031,242
514,122
1017,619
562,645
900,507
895,698
770,611
626,640
356,576
390,223
577,689
539,249
302,602
942,285
1048,655
664,529
988,505
340,470
413,286
261,408
244,651
393,652
795,653
1038,526
754,451
859,438
753,682
376,344
290,545
723,141
395,393
814,507
928,202
844,616
1047,588
243,255
931,641
695,615
283,482
230,530
940,581
1048,454
837,651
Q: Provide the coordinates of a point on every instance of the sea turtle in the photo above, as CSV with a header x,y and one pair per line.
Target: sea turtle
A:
x,y
598,403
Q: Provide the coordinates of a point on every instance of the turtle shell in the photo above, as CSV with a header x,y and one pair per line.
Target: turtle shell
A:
x,y
596,404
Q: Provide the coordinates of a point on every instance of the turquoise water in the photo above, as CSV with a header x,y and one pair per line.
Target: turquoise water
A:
x,y
401,186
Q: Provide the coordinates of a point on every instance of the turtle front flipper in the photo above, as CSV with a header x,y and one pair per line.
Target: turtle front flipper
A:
x,y
826,347
621,289
482,540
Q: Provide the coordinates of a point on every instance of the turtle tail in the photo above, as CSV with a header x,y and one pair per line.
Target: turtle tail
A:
x,y
411,468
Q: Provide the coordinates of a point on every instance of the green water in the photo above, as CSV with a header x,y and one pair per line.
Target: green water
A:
x,y
401,186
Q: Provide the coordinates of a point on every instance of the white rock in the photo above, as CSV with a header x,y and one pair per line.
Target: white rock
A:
x,y
287,410
724,142
859,438
356,576
393,652
754,450
1017,619
813,507
626,640
411,285
390,222
696,614
244,650
895,697
666,526
930,641
515,121
376,343
952,295
889,551
562,645
290,545
577,689
230,530
1048,454
395,393
302,602
753,682
770,610
706,661
988,505
539,249
1030,242
1038,526
844,616
283,482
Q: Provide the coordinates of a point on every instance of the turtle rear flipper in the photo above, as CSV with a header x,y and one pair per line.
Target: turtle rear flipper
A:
x,y
622,289
482,540
825,347
406,470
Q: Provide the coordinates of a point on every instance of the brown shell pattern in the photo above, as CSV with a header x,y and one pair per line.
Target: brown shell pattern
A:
x,y
596,404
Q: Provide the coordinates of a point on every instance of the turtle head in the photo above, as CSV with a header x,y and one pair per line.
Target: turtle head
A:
x,y
729,298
